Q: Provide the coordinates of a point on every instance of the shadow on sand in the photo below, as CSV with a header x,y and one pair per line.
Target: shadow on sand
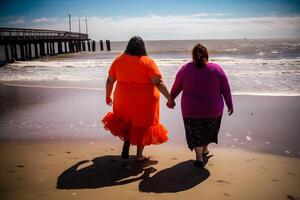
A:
x,y
180,177
111,171
102,172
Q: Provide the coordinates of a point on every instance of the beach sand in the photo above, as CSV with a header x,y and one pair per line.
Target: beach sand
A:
x,y
52,146
91,169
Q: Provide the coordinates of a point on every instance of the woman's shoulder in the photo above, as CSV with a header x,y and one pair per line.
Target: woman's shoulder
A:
x,y
147,61
187,65
120,56
215,67
146,58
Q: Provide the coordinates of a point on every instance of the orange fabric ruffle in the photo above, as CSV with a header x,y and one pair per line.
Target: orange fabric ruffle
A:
x,y
140,136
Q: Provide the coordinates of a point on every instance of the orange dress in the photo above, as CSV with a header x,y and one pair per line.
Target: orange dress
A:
x,y
135,116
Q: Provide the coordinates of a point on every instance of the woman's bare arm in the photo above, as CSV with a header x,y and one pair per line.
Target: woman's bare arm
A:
x,y
160,85
109,87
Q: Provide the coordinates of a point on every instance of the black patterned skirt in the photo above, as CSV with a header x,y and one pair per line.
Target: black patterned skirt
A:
x,y
201,131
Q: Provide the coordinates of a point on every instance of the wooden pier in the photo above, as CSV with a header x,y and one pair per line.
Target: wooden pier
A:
x,y
27,44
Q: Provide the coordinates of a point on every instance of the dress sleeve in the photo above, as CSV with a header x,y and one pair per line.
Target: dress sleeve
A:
x,y
225,89
112,69
178,84
153,70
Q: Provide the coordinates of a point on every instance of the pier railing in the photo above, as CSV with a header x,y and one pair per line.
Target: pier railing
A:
x,y
19,34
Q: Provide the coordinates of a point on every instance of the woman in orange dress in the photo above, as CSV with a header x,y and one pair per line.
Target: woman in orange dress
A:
x,y
135,116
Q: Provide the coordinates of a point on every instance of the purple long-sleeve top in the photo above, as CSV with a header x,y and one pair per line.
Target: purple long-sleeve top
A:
x,y
203,90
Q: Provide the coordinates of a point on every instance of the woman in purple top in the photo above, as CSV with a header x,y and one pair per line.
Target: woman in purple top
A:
x,y
204,85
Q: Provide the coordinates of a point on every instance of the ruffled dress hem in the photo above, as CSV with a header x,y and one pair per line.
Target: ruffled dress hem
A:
x,y
141,136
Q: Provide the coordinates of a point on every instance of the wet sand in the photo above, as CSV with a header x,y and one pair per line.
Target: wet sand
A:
x,y
260,123
52,146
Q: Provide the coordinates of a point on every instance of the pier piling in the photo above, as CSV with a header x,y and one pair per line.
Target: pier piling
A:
x,y
22,52
93,45
29,51
89,45
6,53
101,45
42,48
26,52
108,45
59,47
83,46
66,49
36,53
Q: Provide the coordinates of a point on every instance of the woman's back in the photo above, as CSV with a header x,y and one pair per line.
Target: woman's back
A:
x,y
134,69
202,90
201,82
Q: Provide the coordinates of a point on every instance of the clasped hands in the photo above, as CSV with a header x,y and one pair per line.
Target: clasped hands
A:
x,y
171,103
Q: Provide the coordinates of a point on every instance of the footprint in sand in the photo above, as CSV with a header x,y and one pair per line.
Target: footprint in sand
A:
x,y
20,166
68,151
112,149
290,173
262,168
174,159
10,171
50,154
290,197
274,180
222,181
226,194
210,165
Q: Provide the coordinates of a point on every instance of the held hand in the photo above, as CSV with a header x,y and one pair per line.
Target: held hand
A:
x,y
230,111
108,101
171,103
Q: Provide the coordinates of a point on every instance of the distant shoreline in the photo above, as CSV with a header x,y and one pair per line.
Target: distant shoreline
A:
x,y
50,85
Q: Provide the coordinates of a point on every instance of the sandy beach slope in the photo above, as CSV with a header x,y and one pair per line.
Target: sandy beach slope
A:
x,y
91,169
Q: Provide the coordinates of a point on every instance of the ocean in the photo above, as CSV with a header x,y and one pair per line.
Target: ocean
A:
x,y
258,67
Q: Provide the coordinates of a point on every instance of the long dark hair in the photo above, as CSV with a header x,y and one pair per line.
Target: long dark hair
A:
x,y
136,47
200,55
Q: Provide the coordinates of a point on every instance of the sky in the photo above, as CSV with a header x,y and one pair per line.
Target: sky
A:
x,y
159,19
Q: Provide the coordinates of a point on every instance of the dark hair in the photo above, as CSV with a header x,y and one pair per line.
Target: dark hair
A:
x,y
136,47
200,55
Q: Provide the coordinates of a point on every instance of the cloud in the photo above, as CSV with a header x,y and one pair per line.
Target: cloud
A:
x,y
18,21
45,19
195,26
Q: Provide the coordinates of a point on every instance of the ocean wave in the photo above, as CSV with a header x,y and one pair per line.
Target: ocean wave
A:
x,y
231,60
60,64
160,61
